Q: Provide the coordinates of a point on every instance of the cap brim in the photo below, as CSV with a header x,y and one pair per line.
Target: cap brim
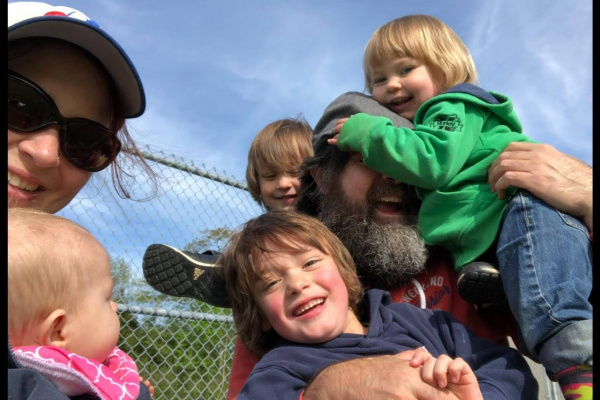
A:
x,y
130,92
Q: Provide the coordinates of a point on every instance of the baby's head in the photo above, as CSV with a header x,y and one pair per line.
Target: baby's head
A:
x,y
250,251
273,161
427,40
59,286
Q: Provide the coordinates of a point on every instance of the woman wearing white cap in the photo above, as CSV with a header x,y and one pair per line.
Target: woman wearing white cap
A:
x,y
70,89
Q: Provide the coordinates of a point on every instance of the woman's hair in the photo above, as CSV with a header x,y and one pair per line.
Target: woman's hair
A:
x,y
130,154
427,40
278,147
241,261
45,255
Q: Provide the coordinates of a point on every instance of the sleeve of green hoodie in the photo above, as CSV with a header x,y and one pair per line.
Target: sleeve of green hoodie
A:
x,y
429,155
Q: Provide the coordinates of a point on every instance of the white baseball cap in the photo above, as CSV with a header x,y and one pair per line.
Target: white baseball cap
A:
x,y
35,19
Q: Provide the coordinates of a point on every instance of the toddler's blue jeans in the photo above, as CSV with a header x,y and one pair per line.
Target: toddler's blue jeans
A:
x,y
545,261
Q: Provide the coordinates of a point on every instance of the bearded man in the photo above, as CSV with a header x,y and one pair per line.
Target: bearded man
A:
x,y
389,253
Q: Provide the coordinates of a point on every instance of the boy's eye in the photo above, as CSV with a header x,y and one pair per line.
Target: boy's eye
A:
x,y
378,80
293,173
266,282
270,285
311,263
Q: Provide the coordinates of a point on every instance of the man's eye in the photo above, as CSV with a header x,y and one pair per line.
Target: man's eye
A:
x,y
357,158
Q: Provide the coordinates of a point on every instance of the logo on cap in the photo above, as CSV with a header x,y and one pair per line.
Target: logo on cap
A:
x,y
72,14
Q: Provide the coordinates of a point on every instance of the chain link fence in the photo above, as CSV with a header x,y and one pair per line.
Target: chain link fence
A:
x,y
184,347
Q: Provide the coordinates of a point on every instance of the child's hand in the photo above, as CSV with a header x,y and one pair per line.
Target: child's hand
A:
x,y
445,371
339,125
336,130
419,356
333,140
150,387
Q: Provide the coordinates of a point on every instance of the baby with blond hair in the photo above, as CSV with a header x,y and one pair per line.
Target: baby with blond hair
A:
x,y
61,319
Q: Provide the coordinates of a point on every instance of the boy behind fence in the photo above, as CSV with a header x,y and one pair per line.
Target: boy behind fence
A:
x,y
274,159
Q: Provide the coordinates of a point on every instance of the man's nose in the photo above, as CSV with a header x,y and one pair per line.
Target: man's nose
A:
x,y
389,178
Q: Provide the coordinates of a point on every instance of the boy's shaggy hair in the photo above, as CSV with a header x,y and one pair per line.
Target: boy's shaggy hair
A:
x,y
280,146
287,231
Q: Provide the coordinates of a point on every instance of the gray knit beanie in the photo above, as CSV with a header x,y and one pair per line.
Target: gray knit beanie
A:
x,y
344,106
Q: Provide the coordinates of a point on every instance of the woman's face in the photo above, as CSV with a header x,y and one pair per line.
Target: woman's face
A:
x,y
38,175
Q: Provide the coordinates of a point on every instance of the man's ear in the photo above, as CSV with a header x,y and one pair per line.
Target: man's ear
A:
x,y
51,330
317,175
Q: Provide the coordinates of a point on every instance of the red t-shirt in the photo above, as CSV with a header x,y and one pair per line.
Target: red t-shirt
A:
x,y
439,286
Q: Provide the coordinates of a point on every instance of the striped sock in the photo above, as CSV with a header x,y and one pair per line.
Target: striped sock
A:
x,y
577,383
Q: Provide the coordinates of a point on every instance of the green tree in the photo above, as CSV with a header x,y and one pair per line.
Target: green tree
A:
x,y
127,287
210,239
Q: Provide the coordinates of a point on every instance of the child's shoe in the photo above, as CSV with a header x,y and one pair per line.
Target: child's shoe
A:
x,y
577,383
183,274
479,283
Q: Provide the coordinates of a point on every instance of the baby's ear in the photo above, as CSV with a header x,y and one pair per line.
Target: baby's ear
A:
x,y
51,330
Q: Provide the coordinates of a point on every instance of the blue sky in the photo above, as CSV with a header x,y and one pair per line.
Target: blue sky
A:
x,y
216,72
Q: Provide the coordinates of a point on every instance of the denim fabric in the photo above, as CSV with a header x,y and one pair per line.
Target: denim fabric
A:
x,y
545,260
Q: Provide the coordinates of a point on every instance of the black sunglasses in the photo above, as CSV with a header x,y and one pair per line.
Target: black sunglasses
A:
x,y
83,142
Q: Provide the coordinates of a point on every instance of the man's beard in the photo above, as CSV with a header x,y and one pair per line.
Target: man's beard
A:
x,y
386,254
